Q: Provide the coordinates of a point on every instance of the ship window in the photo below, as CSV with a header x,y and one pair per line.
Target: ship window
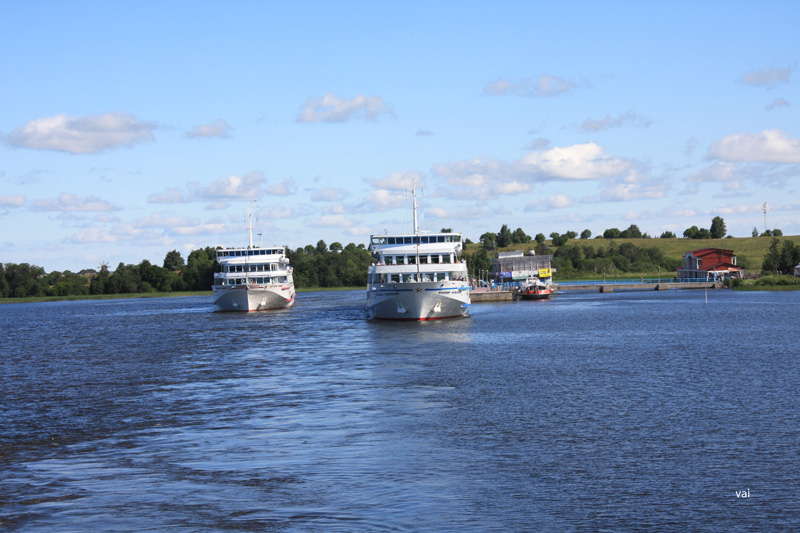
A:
x,y
435,259
456,238
400,260
406,240
378,240
423,260
447,258
412,259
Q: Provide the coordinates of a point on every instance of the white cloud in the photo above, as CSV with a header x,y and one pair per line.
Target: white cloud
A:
x,y
578,162
770,146
778,102
423,133
329,194
180,225
726,209
331,221
220,129
545,85
247,187
285,188
385,199
398,181
484,179
73,202
770,76
556,201
88,134
332,108
459,214
173,195
625,192
119,233
12,201
626,119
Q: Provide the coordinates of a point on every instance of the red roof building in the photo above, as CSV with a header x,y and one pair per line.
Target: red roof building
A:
x,y
709,263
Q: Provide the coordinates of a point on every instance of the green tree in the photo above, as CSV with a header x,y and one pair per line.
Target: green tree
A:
x,y
446,230
520,237
488,240
633,232
691,233
611,233
336,247
586,234
718,229
668,235
504,237
173,261
754,233
772,260
4,291
540,238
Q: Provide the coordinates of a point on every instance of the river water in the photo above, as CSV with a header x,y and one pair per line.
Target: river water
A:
x,y
640,410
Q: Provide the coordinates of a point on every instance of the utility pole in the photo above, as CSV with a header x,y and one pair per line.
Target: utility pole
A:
x,y
764,208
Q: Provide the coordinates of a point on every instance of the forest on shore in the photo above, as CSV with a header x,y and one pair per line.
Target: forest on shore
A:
x,y
334,265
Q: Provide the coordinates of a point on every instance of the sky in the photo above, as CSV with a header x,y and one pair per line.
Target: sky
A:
x,y
129,129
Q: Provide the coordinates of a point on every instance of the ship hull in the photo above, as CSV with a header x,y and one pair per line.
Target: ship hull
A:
x,y
246,298
534,295
417,301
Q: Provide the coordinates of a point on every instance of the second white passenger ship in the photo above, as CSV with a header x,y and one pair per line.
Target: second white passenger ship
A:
x,y
253,278
417,276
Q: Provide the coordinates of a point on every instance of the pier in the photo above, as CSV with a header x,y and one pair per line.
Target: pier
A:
x,y
508,294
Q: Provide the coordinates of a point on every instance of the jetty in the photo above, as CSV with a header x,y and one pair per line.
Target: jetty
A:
x,y
509,294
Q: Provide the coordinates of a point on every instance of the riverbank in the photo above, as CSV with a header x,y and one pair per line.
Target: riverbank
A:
x,y
74,297
767,283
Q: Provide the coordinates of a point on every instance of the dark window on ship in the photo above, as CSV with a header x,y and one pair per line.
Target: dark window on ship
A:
x,y
412,260
407,240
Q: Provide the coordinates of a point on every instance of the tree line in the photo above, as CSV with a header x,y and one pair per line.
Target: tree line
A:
x,y
346,266
196,274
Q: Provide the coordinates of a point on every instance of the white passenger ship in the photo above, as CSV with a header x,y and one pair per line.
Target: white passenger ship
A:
x,y
417,277
253,278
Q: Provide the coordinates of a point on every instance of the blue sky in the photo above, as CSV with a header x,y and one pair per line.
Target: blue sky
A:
x,y
129,129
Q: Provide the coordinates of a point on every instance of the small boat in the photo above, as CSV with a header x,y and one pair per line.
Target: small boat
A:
x,y
534,289
253,278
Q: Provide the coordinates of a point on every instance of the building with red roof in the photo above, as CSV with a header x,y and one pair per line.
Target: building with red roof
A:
x,y
709,263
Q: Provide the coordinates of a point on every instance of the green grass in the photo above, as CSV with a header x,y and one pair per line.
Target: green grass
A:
x,y
770,283
750,251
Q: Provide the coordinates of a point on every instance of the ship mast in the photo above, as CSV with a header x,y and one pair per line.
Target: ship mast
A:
x,y
414,194
250,224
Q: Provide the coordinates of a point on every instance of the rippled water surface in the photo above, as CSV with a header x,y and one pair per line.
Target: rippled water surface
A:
x,y
590,411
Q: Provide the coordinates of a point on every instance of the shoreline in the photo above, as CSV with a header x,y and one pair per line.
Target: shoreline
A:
x,y
127,296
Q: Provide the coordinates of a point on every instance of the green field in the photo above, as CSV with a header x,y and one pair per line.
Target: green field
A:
x,y
750,251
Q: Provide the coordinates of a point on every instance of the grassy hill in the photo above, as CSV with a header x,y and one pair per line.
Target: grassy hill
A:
x,y
750,251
